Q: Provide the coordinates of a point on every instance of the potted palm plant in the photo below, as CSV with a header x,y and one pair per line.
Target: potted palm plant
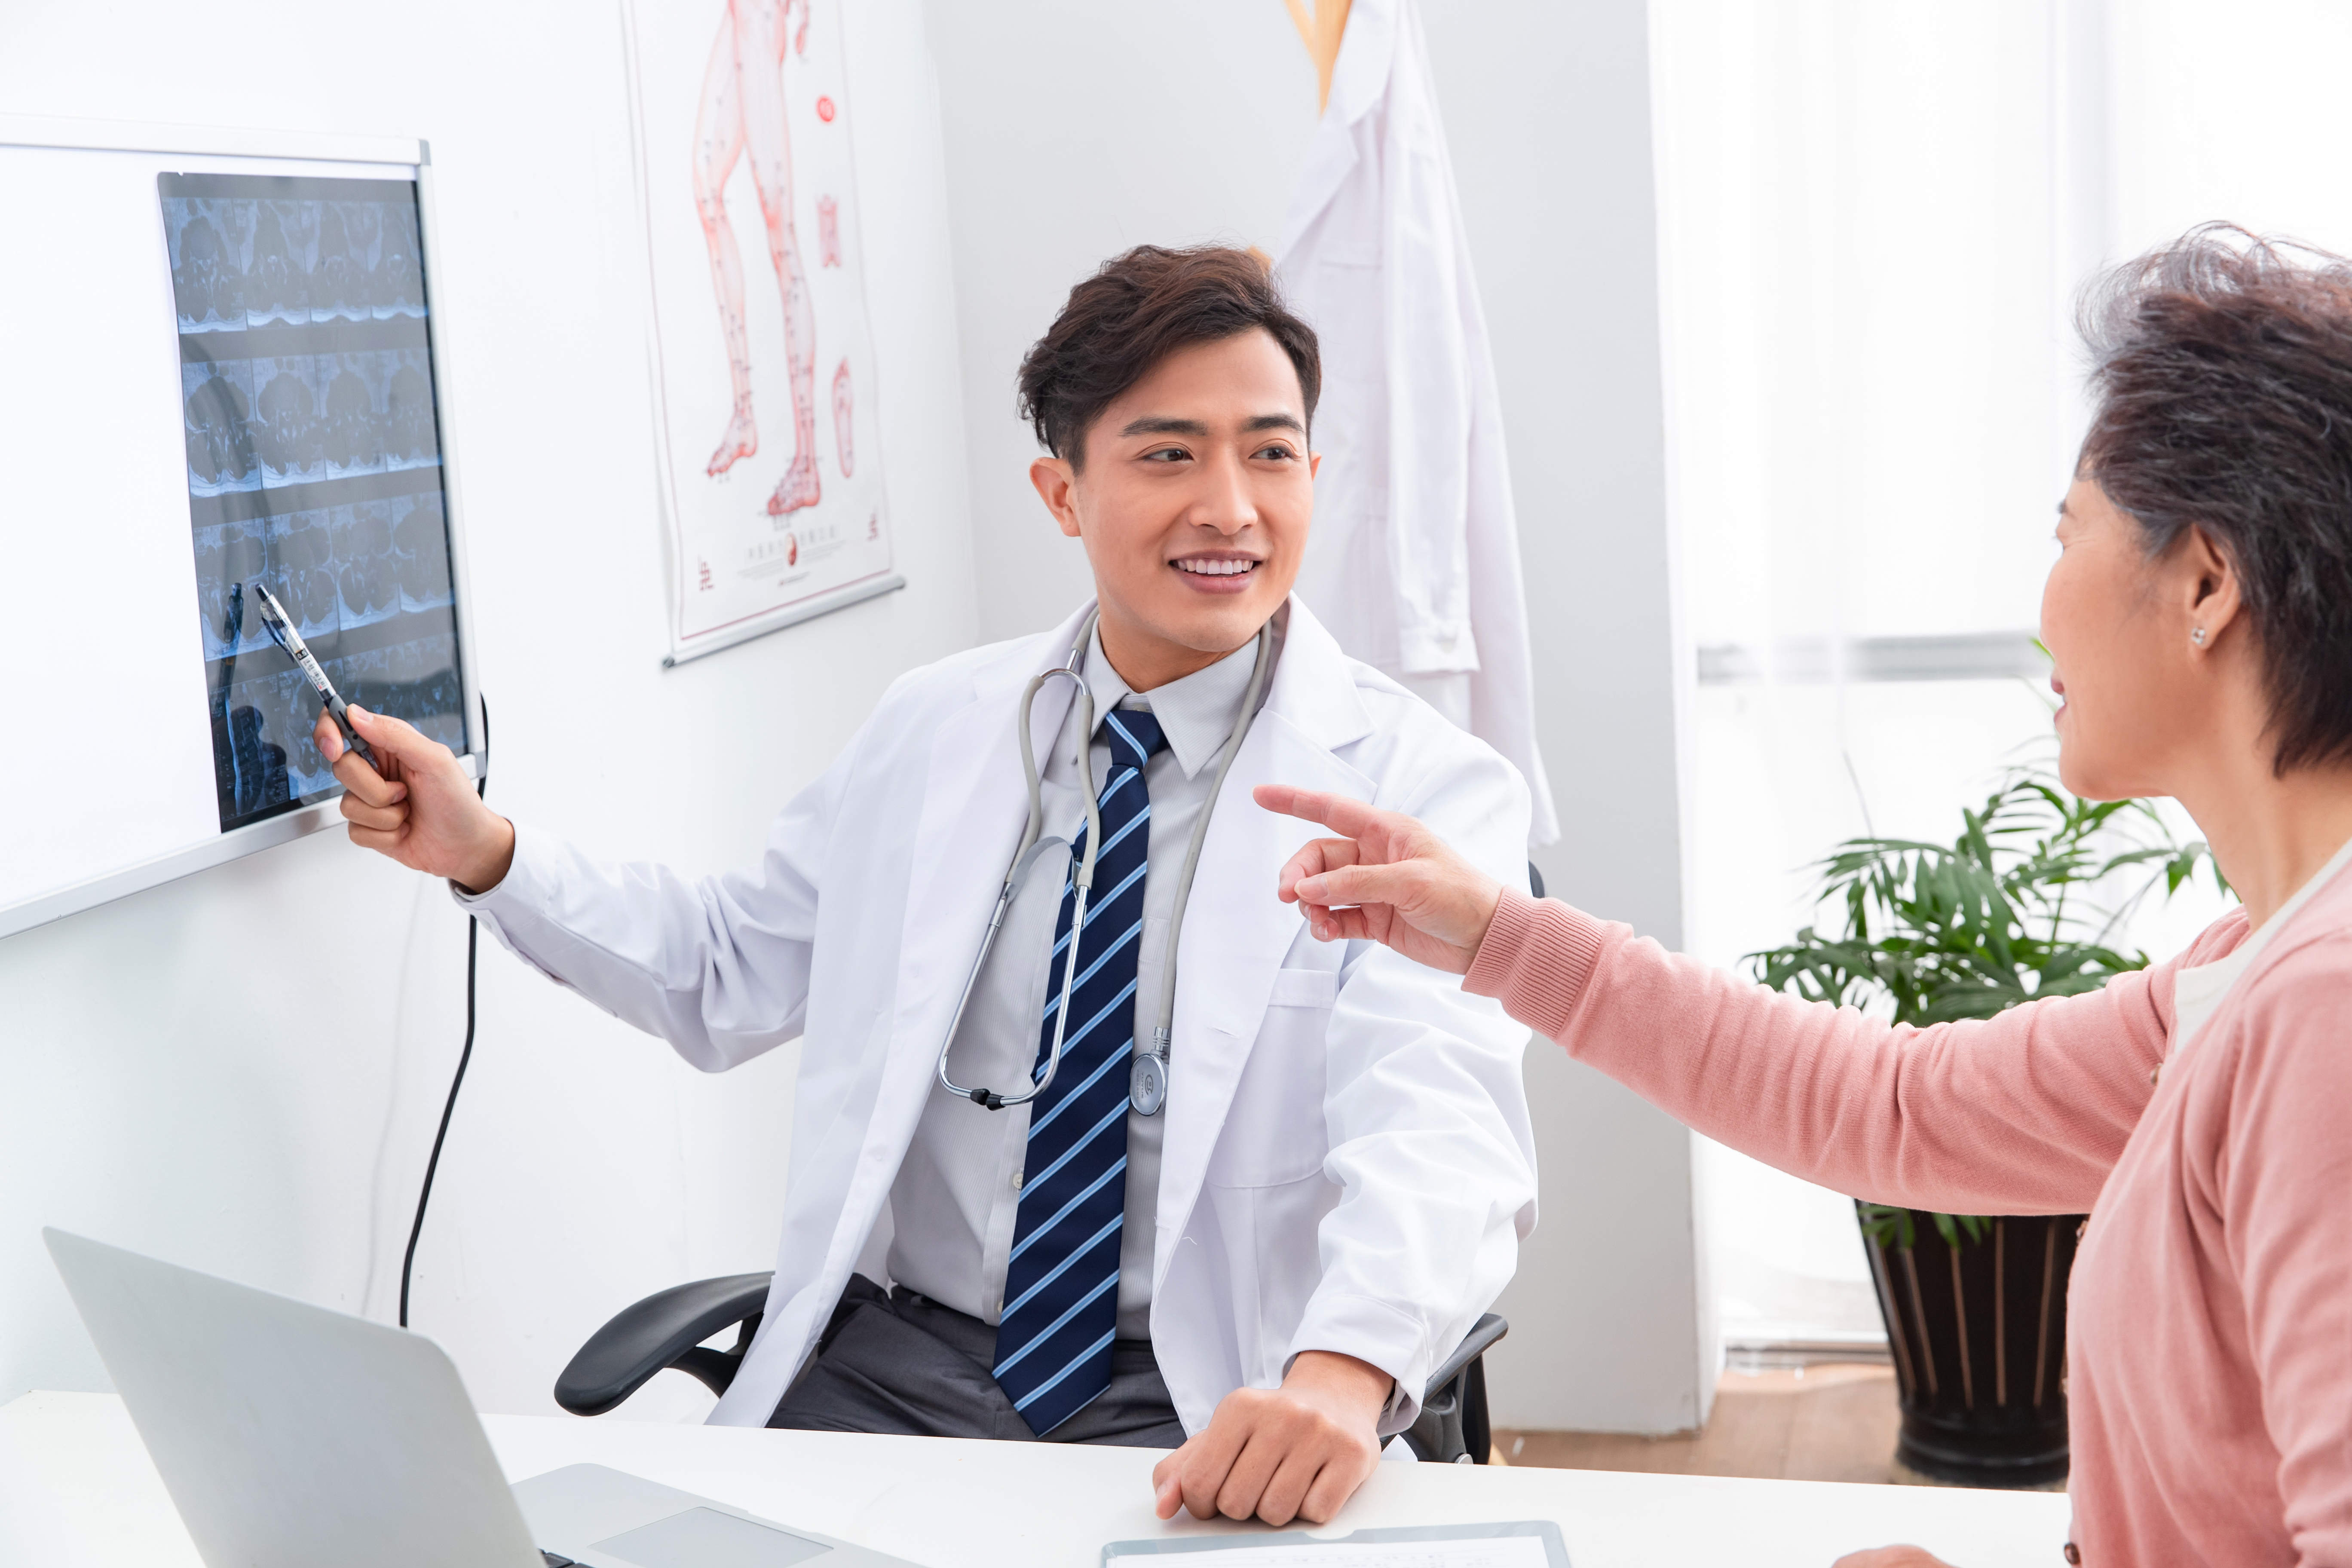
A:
x,y
2022,905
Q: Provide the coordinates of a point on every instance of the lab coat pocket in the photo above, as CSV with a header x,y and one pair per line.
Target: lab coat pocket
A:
x,y
1274,1131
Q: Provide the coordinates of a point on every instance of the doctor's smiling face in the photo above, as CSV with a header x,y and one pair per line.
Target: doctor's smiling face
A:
x,y
1193,491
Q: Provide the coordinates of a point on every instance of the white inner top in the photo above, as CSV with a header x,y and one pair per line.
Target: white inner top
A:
x,y
2198,994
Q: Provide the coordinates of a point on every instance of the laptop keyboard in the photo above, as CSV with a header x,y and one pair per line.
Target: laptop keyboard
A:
x,y
552,1561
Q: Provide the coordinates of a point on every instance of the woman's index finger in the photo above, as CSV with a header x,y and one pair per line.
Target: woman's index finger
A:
x,y
1336,812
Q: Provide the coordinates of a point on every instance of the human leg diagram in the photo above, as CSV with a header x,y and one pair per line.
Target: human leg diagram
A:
x,y
841,421
742,112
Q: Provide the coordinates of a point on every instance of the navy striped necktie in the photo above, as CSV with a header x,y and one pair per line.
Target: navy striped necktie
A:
x,y
1061,1288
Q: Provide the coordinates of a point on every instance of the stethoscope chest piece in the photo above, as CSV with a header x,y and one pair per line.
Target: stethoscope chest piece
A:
x,y
1147,1084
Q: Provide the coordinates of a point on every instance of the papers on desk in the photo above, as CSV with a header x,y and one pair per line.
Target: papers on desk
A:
x,y
1533,1543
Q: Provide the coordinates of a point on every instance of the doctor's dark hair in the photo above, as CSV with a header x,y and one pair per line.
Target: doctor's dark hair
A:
x,y
2221,373
1136,310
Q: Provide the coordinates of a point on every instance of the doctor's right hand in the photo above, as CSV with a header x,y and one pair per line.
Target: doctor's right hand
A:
x,y
420,809
1389,880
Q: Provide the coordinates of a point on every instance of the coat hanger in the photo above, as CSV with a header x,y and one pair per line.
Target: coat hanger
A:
x,y
1321,27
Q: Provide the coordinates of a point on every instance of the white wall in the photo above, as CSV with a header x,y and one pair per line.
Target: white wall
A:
x,y
1074,132
1548,115
181,1075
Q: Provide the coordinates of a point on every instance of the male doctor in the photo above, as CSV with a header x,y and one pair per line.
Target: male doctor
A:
x,y
1263,1271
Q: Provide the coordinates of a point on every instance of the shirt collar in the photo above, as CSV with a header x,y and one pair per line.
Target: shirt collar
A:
x,y
1195,713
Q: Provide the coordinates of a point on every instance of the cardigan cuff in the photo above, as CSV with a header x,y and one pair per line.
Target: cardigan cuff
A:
x,y
1537,959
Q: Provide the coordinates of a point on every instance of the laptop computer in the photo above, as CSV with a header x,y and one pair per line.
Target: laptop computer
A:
x,y
289,1435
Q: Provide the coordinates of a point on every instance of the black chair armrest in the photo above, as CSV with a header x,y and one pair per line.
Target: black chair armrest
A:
x,y
1484,1335
664,1330
1452,1428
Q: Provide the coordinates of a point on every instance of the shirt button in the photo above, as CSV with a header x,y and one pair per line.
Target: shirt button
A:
x,y
1016,1181
2074,1553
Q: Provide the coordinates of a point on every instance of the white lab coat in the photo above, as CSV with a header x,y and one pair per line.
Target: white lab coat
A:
x,y
1415,552
1347,1162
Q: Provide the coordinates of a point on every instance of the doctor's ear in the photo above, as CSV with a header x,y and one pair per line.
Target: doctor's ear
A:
x,y
1057,486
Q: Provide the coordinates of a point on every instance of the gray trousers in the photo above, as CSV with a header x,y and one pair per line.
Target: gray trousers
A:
x,y
898,1363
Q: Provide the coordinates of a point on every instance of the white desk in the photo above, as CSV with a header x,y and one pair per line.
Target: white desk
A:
x,y
76,1490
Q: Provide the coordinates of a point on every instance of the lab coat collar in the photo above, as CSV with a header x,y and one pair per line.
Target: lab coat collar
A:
x,y
1313,686
1359,81
1226,961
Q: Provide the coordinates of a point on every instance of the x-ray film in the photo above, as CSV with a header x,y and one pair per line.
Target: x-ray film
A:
x,y
305,385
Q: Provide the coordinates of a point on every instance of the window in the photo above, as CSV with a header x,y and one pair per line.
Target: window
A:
x,y
1872,221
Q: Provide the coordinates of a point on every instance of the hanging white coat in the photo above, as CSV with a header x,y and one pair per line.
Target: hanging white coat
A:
x,y
1348,1163
1415,552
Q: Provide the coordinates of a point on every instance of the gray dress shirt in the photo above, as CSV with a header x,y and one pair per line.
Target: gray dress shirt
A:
x,y
959,1188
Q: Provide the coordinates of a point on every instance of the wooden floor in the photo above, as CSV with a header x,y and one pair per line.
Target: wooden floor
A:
x,y
1829,1423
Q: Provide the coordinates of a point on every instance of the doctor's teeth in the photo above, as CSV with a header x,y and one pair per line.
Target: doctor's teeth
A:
x,y
1215,568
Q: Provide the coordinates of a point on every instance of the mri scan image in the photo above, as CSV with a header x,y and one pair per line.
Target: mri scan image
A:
x,y
216,402
414,680
207,236
397,287
286,420
229,556
250,726
411,440
420,538
250,767
277,270
301,547
339,284
355,387
367,577
264,759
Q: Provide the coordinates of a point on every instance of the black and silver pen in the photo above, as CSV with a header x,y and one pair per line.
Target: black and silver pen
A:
x,y
280,626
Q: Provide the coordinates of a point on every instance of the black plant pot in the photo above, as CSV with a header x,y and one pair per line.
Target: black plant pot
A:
x,y
1977,1332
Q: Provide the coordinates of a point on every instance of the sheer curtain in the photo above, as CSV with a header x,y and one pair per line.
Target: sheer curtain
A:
x,y
1873,220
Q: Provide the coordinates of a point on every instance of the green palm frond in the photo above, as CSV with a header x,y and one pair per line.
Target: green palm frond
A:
x,y
2006,913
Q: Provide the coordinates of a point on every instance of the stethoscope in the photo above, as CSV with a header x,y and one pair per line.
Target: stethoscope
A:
x,y
1147,1080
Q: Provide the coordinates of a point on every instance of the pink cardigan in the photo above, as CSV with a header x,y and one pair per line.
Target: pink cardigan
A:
x,y
2209,1332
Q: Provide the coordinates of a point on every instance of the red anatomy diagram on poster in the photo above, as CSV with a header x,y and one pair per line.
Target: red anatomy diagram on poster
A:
x,y
749,131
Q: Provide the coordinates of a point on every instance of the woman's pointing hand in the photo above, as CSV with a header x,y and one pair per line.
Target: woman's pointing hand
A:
x,y
1388,879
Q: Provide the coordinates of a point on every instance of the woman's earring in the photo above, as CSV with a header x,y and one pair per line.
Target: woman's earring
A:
x,y
2197,635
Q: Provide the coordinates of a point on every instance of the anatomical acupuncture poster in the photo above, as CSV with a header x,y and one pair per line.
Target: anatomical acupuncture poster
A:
x,y
763,365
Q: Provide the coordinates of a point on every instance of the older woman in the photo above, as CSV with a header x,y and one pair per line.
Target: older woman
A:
x,y
2200,617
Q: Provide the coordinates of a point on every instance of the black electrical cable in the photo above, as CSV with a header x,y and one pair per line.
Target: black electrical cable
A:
x,y
449,1106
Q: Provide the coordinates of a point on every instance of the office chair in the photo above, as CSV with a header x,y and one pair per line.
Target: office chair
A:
x,y
666,1330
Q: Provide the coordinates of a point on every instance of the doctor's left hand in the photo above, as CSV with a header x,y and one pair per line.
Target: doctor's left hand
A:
x,y
1294,1452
